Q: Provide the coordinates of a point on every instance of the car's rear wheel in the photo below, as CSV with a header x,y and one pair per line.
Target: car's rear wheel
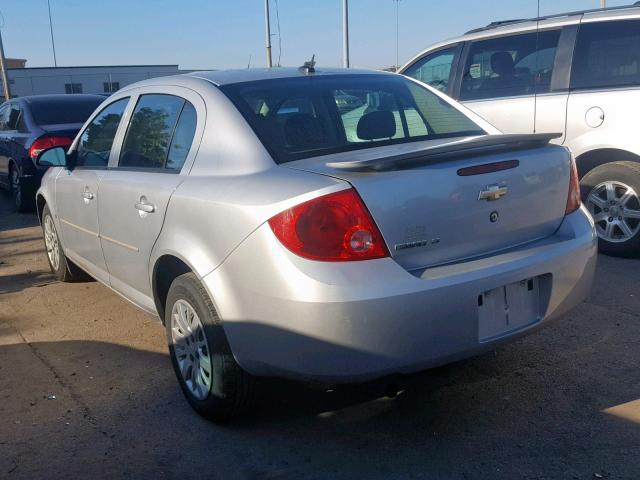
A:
x,y
63,269
211,380
611,193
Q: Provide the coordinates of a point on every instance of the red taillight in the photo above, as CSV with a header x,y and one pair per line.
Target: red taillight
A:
x,y
335,227
47,142
573,199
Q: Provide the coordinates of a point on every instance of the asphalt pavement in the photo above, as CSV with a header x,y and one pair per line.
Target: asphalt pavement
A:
x,y
87,391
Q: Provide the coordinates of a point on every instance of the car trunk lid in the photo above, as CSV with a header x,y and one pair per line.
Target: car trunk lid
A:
x,y
443,201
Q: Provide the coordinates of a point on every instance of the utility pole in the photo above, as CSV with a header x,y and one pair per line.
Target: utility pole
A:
x,y
345,33
397,32
267,25
3,67
603,3
53,45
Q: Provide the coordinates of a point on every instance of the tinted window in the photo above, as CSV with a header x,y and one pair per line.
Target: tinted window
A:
x,y
60,110
607,55
4,117
182,137
328,114
14,117
434,69
146,144
96,140
510,66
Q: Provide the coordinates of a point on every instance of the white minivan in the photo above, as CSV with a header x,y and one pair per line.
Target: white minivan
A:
x,y
577,74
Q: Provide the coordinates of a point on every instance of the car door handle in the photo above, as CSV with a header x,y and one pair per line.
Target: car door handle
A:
x,y
87,195
145,207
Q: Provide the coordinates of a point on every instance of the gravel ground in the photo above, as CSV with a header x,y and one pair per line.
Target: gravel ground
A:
x,y
87,391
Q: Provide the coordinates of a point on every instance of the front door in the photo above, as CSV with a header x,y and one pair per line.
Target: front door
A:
x,y
78,191
139,186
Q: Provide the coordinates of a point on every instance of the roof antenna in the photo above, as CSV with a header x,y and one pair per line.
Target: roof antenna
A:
x,y
308,67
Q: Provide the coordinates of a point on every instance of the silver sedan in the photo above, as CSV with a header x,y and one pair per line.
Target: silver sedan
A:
x,y
278,229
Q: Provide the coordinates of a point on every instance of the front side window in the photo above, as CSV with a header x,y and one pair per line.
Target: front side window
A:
x,y
96,141
154,123
309,116
607,55
510,66
434,69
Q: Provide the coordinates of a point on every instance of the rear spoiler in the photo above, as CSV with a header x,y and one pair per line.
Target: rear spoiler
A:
x,y
472,147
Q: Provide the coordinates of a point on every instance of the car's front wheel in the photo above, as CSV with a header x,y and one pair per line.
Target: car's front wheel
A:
x,y
211,380
611,193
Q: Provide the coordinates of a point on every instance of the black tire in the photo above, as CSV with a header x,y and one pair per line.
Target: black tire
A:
x,y
627,173
230,392
65,271
21,192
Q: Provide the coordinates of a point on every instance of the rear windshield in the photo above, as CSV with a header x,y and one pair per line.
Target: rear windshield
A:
x,y
309,116
63,110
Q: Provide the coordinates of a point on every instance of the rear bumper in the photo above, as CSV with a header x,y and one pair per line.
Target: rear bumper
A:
x,y
343,322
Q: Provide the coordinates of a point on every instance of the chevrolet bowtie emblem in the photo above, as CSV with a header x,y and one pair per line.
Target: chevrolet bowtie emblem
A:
x,y
493,192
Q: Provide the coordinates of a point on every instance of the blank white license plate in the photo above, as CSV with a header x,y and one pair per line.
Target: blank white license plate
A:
x,y
508,308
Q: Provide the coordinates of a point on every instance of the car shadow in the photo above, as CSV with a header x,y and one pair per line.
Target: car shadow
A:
x,y
81,409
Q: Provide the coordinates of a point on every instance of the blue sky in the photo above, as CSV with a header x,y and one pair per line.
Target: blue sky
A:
x,y
226,33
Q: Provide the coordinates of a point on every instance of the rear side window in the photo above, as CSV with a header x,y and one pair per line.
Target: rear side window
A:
x,y
434,69
97,139
510,66
607,55
303,117
155,137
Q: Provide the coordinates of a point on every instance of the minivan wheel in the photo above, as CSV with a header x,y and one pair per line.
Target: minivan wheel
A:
x,y
62,268
611,193
211,380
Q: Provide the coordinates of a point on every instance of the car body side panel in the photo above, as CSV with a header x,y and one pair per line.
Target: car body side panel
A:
x,y
209,216
601,119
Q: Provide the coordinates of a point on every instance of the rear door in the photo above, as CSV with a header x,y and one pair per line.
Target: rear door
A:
x,y
77,190
605,86
157,147
500,77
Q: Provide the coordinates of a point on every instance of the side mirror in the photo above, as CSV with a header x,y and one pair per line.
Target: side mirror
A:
x,y
56,157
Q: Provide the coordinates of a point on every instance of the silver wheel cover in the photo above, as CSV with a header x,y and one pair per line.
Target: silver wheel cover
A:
x,y
191,349
51,242
615,208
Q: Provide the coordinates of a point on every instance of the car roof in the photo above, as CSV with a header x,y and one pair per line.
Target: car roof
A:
x,y
227,77
507,27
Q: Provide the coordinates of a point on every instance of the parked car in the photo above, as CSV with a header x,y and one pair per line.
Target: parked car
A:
x,y
27,126
275,236
577,74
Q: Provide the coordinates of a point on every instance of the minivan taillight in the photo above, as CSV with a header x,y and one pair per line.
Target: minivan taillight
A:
x,y
573,199
333,228
43,143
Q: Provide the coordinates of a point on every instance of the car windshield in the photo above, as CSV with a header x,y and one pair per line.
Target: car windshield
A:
x,y
317,115
63,110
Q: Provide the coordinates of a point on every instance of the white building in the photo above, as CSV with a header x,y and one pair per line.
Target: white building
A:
x,y
98,79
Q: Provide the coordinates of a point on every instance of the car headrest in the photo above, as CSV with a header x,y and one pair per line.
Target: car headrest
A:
x,y
303,131
377,124
502,63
